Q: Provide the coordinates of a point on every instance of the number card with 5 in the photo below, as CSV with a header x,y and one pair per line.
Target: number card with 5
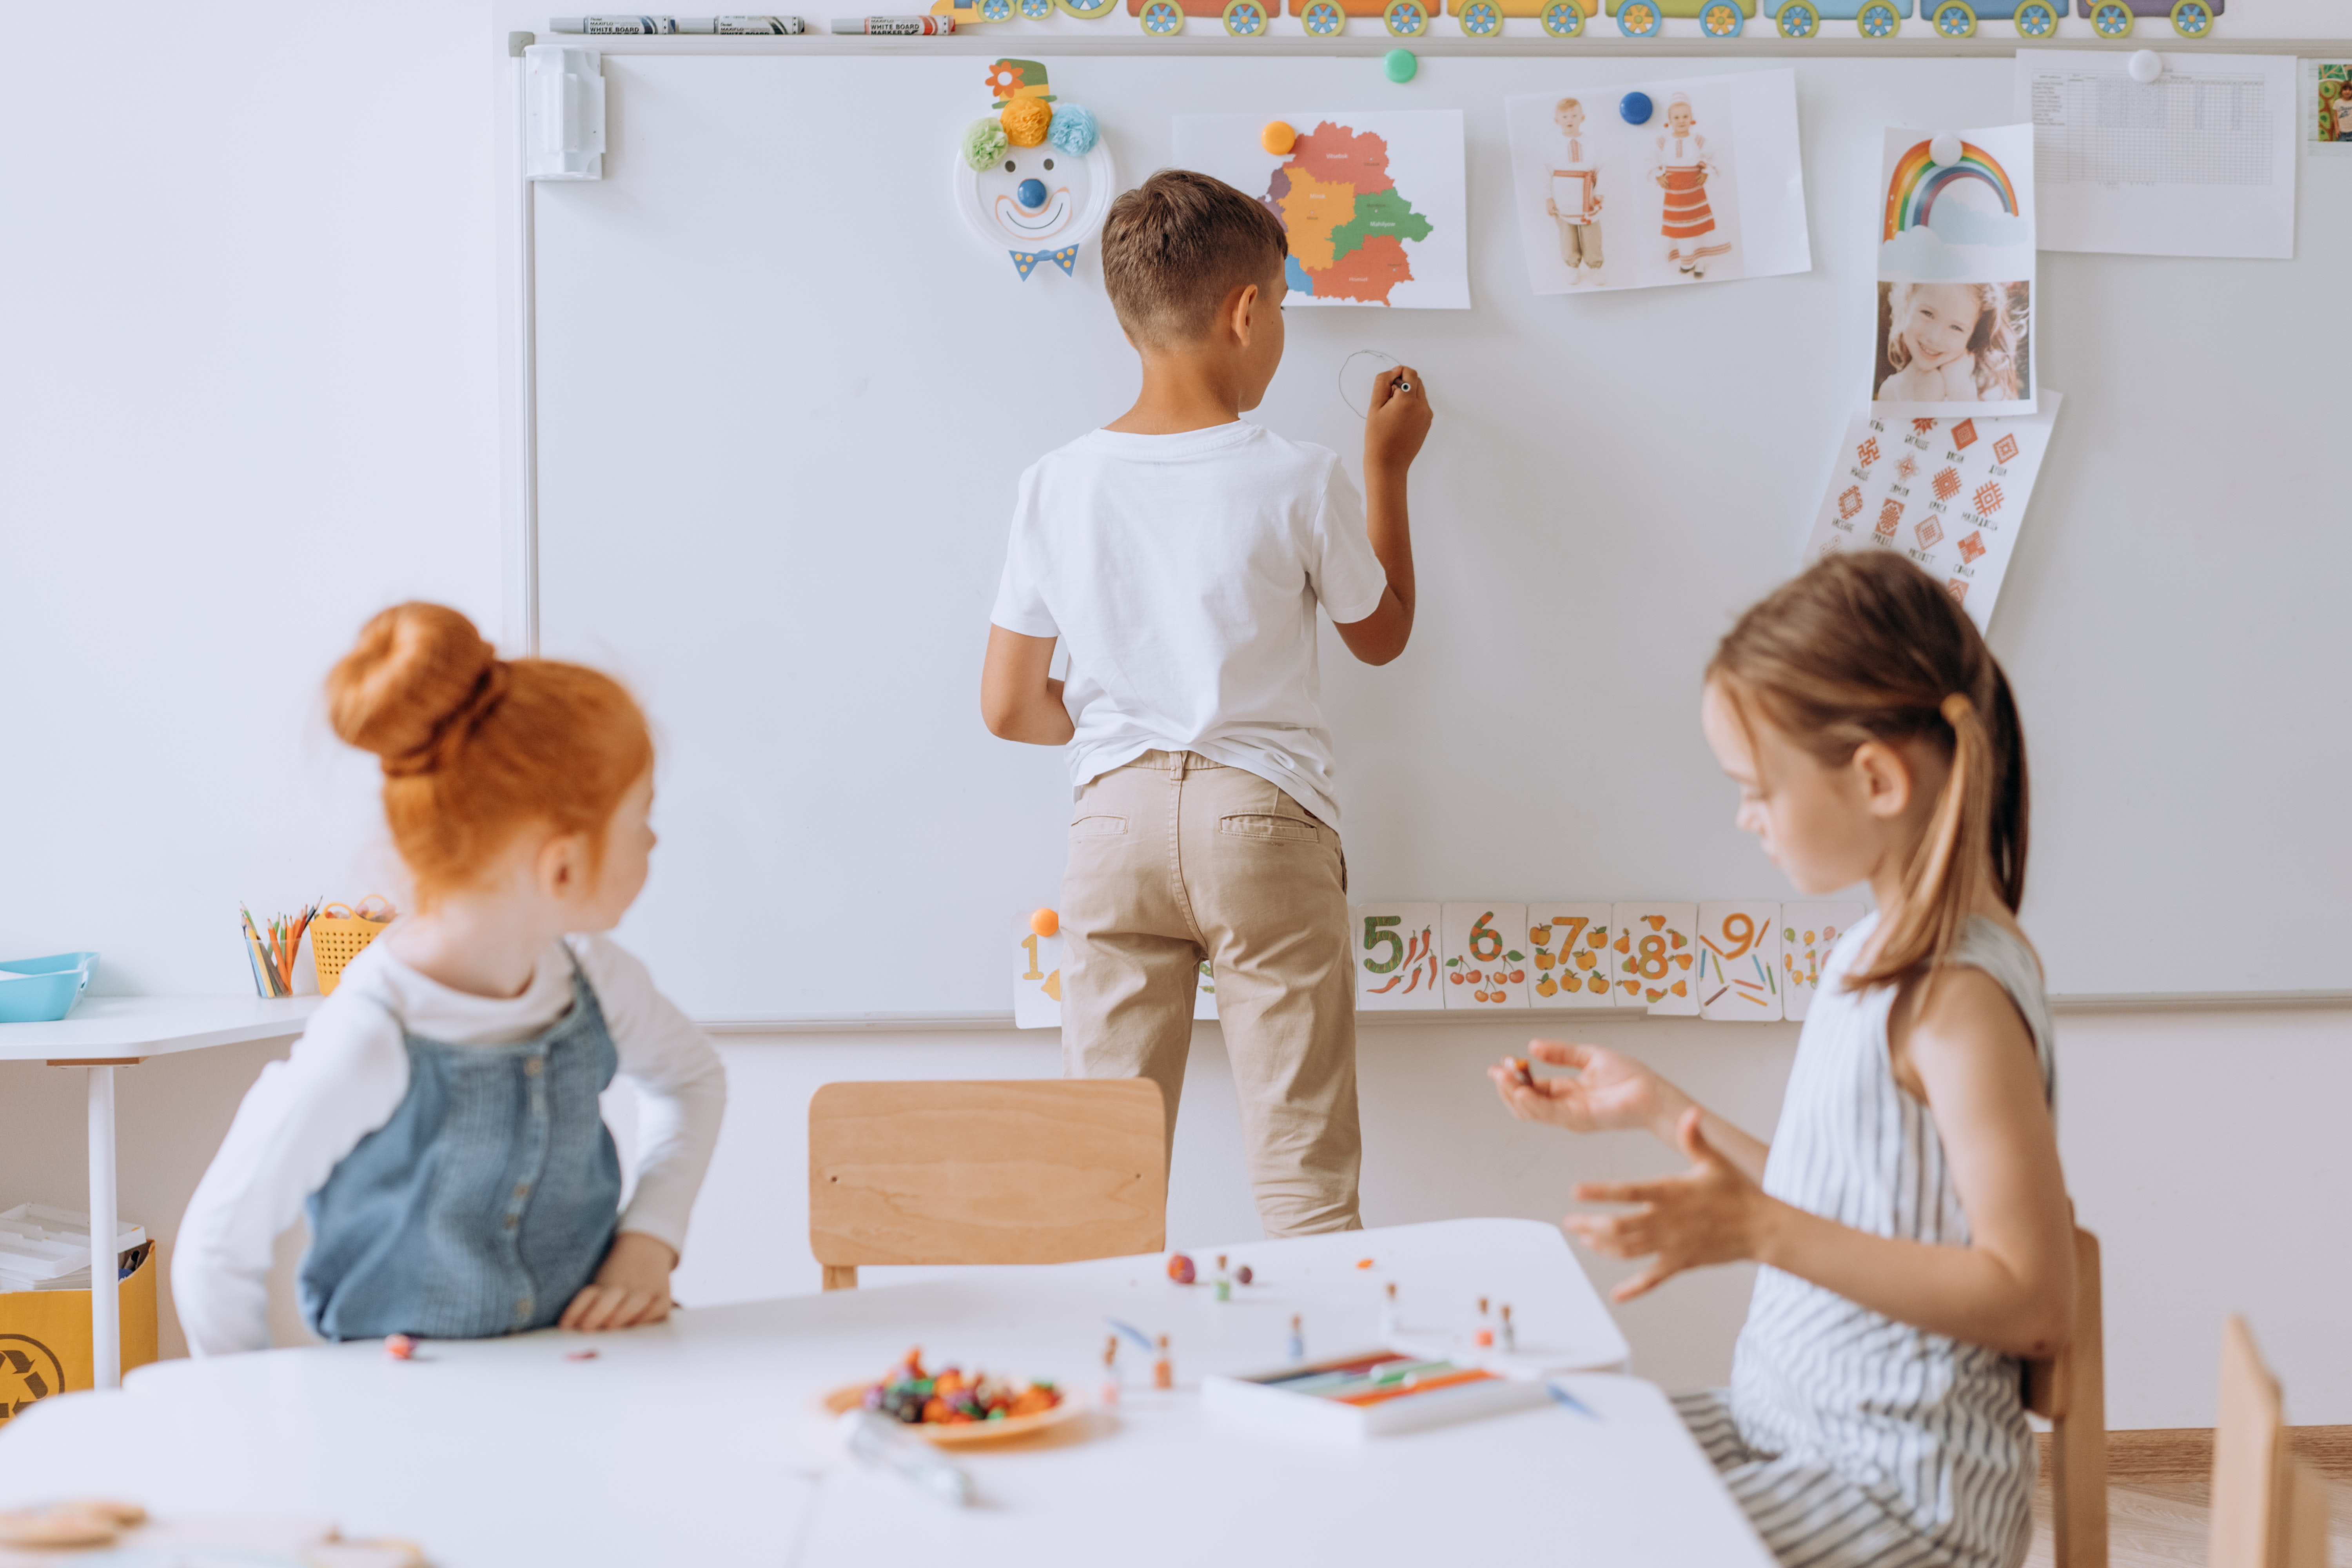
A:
x,y
1485,966
1037,971
1808,932
1573,965
1395,948
1656,957
1738,968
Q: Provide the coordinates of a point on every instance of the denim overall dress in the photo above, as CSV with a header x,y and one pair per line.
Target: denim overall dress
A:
x,y
485,1203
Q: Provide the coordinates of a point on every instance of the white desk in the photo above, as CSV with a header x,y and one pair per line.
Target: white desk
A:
x,y
107,1032
698,1441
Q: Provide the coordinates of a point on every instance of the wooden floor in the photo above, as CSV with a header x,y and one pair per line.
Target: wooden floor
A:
x,y
2157,1492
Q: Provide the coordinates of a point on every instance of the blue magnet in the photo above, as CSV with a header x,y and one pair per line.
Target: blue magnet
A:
x,y
1635,107
1030,194
1400,65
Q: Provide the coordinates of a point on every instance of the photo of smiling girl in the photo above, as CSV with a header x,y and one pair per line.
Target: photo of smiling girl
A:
x,y
1951,343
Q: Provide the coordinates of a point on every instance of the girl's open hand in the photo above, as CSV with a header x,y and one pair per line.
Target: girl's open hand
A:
x,y
1608,1093
1712,1212
630,1289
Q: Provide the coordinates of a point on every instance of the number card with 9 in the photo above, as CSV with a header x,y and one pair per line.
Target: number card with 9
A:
x,y
1739,967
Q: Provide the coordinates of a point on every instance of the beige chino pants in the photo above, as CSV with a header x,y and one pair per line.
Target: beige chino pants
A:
x,y
1174,859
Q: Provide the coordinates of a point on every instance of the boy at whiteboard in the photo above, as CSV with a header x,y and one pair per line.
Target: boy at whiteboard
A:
x,y
1181,553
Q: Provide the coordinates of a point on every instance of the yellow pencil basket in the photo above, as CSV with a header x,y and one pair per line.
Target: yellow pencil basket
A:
x,y
336,939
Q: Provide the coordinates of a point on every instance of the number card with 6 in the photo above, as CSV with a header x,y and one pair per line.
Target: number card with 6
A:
x,y
1657,957
1395,948
1808,932
1485,962
1738,968
1573,965
1037,971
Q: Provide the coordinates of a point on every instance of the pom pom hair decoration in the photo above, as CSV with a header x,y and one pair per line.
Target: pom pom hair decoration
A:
x,y
1027,121
983,142
1074,129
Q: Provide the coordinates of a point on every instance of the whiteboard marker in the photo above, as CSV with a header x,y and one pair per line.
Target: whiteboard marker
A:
x,y
894,27
642,27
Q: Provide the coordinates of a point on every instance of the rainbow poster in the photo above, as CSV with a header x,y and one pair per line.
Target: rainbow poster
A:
x,y
1956,275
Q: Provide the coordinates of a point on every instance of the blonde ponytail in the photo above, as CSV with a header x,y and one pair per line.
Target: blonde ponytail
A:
x,y
1865,646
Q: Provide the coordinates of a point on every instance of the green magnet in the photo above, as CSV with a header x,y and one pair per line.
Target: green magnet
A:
x,y
1400,65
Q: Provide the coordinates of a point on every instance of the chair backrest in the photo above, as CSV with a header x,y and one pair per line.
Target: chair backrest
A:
x,y
2269,1509
1036,1171
2071,1389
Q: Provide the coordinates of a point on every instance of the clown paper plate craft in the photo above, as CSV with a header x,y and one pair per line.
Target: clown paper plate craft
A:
x,y
1034,177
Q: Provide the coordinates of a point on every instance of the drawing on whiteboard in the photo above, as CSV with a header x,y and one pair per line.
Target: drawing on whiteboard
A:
x,y
1373,203
1963,524
1036,177
1955,271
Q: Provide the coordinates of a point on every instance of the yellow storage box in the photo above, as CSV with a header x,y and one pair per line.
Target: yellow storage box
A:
x,y
44,1345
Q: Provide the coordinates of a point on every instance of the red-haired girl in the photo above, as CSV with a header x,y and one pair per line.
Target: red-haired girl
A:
x,y
1909,1212
438,1119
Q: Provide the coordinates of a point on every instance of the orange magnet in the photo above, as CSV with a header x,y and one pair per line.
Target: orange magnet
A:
x,y
1278,137
1045,923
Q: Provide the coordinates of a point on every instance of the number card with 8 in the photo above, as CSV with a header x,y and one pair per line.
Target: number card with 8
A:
x,y
1657,957
1573,966
1486,961
1395,948
1037,971
1739,967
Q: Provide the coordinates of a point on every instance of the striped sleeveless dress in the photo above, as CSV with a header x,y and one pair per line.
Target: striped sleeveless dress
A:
x,y
1848,1438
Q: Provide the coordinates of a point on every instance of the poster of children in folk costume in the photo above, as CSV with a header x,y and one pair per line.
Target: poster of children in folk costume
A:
x,y
1696,181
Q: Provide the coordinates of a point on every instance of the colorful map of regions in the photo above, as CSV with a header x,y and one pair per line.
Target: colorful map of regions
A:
x,y
1347,221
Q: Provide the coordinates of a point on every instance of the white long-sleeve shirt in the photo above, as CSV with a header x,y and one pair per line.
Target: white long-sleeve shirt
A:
x,y
349,1073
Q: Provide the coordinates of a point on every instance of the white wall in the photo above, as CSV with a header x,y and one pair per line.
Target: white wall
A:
x,y
248,393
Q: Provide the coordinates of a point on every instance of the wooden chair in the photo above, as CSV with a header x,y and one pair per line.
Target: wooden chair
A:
x,y
2270,1507
2070,1390
1042,1171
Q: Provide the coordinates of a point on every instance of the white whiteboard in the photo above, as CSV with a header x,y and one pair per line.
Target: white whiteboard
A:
x,y
784,398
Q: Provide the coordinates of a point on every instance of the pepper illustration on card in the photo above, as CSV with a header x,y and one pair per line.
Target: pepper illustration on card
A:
x,y
1808,932
1740,962
1396,956
1656,957
1569,947
1037,971
1483,964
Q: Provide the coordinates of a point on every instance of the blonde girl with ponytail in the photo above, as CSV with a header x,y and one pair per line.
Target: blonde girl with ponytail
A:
x,y
1909,1214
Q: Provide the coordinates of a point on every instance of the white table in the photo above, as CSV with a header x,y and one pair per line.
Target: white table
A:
x,y
699,1440
101,1034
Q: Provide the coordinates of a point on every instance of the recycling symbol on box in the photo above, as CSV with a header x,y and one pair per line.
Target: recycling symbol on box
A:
x,y
29,1372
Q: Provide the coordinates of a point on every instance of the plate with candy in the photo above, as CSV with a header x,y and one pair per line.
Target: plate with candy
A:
x,y
952,1407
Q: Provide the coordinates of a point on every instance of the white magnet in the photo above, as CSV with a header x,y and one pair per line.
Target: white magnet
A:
x,y
2145,66
1945,150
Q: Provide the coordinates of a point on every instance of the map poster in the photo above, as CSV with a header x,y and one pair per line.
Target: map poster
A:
x,y
1659,183
1372,201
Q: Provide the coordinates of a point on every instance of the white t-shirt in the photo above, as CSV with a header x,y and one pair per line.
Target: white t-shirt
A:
x,y
348,1074
1183,572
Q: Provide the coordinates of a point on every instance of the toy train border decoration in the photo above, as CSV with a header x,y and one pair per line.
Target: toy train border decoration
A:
x,y
1954,19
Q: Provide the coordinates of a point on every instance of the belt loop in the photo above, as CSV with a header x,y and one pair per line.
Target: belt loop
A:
x,y
1176,766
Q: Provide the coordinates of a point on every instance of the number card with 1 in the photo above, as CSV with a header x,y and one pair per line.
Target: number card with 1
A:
x,y
1808,932
1738,968
1656,957
1486,964
1568,944
1395,947
1038,975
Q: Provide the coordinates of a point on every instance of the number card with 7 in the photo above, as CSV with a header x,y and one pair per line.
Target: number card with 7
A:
x,y
1485,962
1808,932
1037,971
1573,965
1395,948
1656,957
1738,968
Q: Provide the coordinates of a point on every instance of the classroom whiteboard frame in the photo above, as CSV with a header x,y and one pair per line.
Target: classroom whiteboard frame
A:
x,y
523,541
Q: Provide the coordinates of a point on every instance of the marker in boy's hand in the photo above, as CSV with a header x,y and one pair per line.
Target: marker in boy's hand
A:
x,y
1398,422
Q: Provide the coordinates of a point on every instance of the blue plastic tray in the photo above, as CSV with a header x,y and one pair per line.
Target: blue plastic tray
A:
x,y
43,990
